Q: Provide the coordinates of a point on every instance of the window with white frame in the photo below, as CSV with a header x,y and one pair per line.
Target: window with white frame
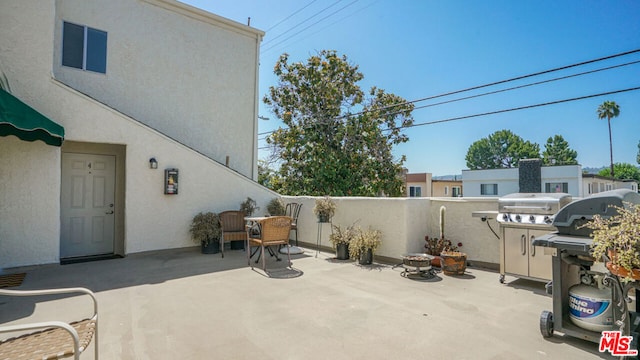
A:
x,y
456,191
84,48
488,189
446,190
609,187
415,191
556,187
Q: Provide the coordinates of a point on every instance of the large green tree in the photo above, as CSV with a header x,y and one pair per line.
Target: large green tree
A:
x,y
337,140
608,110
557,152
502,149
623,171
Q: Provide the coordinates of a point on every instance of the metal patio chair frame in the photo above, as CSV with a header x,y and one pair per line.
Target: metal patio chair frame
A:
x,y
53,339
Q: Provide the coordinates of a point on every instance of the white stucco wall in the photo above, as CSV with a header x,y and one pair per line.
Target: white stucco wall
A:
x,y
187,73
29,202
404,222
30,206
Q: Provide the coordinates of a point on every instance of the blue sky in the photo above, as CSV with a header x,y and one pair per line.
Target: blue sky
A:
x,y
421,48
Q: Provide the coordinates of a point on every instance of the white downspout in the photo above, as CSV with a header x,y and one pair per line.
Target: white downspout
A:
x,y
254,172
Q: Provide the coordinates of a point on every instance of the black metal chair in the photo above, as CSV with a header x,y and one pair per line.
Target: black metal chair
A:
x,y
292,210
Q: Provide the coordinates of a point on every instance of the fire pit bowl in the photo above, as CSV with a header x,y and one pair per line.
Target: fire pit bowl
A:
x,y
417,264
417,260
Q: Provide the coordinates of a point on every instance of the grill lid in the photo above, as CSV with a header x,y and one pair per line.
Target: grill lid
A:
x,y
572,216
533,203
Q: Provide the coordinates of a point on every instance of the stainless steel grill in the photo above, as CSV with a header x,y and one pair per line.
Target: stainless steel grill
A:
x,y
523,217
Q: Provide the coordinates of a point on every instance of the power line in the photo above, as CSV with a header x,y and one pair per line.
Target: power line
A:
x,y
505,110
513,88
300,23
324,18
503,81
325,27
488,84
527,85
288,17
517,108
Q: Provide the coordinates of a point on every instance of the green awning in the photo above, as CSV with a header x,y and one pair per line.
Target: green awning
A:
x,y
21,120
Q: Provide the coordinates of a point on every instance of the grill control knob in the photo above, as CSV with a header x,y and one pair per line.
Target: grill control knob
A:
x,y
532,218
505,217
548,220
518,218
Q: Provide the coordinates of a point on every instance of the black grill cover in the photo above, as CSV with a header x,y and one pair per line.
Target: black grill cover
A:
x,y
570,218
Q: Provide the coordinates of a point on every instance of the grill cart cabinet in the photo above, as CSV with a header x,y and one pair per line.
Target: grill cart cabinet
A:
x,y
521,257
522,218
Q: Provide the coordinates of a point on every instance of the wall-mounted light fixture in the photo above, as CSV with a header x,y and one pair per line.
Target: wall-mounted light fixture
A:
x,y
153,163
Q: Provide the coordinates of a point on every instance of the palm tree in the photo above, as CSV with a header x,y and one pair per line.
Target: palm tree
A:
x,y
608,110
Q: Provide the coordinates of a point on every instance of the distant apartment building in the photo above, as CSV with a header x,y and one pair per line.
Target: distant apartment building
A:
x,y
567,179
446,188
593,184
423,185
418,185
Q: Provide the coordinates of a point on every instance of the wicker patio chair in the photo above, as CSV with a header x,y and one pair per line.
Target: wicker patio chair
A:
x,y
53,339
233,227
274,230
293,210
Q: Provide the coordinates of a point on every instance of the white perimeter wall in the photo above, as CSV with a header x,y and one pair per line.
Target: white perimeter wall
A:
x,y
404,222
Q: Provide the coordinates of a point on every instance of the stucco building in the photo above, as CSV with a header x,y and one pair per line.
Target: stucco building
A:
x,y
568,179
129,81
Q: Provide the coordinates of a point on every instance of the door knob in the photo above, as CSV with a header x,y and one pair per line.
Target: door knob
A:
x,y
109,212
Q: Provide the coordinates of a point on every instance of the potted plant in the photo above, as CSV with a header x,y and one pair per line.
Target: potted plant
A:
x,y
452,261
324,209
364,244
205,230
249,206
340,239
436,246
616,242
276,207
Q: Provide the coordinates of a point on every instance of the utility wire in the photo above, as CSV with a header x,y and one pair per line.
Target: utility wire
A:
x,y
527,85
326,26
489,84
517,108
288,17
511,88
298,24
506,110
503,81
324,18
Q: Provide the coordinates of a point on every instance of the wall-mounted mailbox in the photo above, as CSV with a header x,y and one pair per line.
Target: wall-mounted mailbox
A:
x,y
171,181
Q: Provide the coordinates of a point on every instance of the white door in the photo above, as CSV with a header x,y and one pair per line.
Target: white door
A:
x,y
87,205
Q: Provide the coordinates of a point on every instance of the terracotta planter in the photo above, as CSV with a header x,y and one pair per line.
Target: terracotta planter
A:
x,y
453,263
436,261
619,270
622,272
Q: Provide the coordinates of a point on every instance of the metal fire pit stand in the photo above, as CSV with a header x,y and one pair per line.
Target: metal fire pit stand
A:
x,y
570,255
418,265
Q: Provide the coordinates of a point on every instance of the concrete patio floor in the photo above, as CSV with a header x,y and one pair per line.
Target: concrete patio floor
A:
x,y
180,304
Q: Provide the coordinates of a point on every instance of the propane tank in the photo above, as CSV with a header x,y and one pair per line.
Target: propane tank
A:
x,y
590,307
